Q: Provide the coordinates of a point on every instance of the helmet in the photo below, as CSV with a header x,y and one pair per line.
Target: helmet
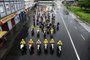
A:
x,y
45,39
38,40
59,41
30,39
22,39
52,39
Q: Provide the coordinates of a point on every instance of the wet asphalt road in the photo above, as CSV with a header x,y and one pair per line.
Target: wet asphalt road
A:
x,y
68,52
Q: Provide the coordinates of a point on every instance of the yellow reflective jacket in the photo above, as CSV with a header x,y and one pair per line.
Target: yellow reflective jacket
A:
x,y
31,42
38,42
59,43
38,28
52,41
52,30
32,27
44,28
45,41
22,42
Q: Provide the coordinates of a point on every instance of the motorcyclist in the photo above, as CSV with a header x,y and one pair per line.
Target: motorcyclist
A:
x,y
59,44
30,46
52,45
45,42
38,46
23,46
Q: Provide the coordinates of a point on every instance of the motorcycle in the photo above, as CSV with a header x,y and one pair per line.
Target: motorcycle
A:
x,y
51,36
31,48
23,49
38,48
44,34
38,34
32,32
34,23
59,49
58,25
48,31
52,47
45,47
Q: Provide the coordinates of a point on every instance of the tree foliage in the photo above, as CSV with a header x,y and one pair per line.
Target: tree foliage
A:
x,y
84,3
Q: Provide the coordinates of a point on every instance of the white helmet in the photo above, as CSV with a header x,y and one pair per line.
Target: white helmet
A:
x,y
52,39
38,40
45,39
30,39
59,41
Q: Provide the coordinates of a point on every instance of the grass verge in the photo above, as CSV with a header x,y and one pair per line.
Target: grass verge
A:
x,y
82,13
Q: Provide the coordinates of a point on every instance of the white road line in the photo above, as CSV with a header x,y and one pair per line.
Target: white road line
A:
x,y
82,37
70,38
85,26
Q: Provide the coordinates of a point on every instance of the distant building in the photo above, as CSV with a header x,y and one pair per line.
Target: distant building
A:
x,y
9,15
29,3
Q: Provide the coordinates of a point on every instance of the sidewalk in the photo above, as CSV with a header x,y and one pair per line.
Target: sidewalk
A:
x,y
11,36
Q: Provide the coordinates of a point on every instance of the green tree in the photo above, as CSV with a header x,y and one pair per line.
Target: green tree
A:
x,y
84,3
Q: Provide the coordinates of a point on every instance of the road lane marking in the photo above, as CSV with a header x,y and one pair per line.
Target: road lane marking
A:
x,y
70,38
86,27
82,37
